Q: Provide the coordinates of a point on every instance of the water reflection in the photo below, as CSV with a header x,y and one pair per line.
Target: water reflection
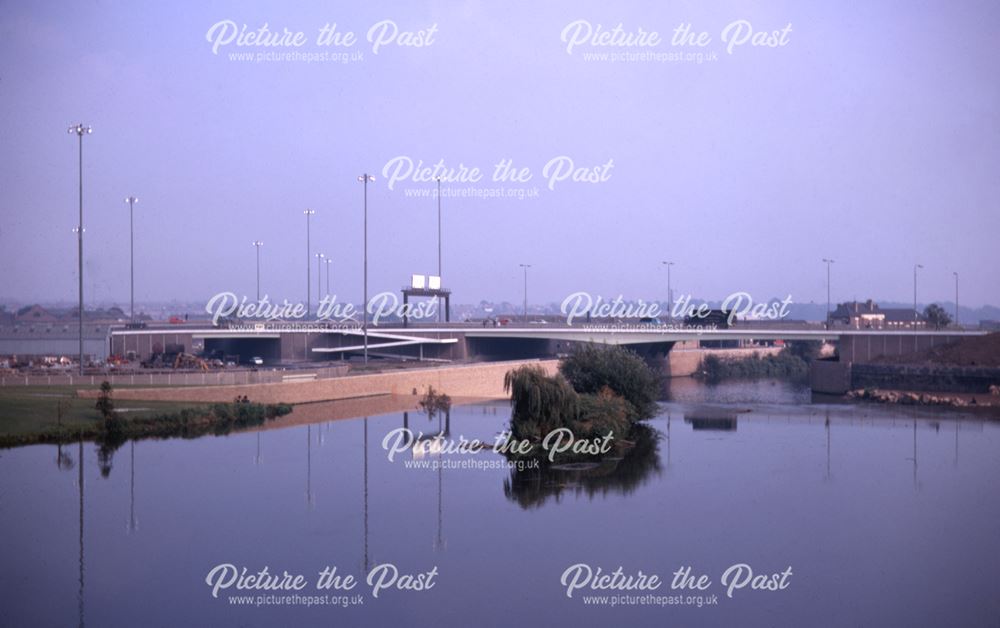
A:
x,y
309,493
899,485
826,425
80,485
712,420
133,523
365,457
64,462
532,488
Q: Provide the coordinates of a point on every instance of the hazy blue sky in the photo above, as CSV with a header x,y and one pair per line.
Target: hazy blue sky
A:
x,y
872,136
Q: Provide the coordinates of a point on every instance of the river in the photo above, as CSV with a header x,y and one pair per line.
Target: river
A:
x,y
867,515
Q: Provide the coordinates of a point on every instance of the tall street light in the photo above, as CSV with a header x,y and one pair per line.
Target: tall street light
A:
x,y
438,179
308,213
365,178
257,244
329,261
915,267
131,200
525,267
956,298
80,130
319,278
828,262
670,302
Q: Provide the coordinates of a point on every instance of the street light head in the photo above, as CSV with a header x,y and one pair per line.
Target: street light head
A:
x,y
366,177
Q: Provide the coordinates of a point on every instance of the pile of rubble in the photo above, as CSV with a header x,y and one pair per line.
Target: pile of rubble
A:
x,y
914,399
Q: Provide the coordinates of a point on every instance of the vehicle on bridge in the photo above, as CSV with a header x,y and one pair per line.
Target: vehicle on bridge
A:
x,y
720,319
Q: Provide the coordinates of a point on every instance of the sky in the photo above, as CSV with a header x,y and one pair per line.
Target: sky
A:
x,y
866,132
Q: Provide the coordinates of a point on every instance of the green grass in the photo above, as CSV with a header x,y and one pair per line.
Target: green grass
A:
x,y
26,410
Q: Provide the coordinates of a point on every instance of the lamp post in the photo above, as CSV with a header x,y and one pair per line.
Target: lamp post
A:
x,y
319,279
525,267
308,213
329,261
438,179
257,244
365,178
956,298
828,262
915,267
131,200
670,301
80,130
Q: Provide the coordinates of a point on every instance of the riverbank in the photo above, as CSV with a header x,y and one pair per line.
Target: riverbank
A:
x,y
34,409
965,370
483,380
917,398
118,426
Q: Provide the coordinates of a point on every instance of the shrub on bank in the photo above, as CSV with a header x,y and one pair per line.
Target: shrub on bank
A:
x,y
592,368
599,390
784,364
540,403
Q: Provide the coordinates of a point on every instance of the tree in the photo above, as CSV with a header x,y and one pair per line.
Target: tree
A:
x,y
540,403
591,368
104,404
937,316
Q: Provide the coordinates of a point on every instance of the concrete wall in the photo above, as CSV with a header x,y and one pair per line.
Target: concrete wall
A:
x,y
962,379
483,380
861,349
830,377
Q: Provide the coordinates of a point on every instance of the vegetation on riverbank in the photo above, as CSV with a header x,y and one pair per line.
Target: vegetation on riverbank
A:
x,y
599,390
791,362
908,398
31,409
106,424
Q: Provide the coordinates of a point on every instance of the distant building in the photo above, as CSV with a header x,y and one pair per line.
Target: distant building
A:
x,y
868,315
35,314
47,340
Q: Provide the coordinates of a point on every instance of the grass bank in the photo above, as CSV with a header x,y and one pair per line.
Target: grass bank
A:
x,y
51,414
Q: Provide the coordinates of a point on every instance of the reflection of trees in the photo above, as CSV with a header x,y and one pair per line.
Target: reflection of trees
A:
x,y
64,461
106,448
615,473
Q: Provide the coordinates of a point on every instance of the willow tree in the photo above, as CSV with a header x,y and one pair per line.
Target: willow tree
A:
x,y
540,403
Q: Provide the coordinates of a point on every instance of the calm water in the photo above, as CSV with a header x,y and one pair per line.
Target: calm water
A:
x,y
885,518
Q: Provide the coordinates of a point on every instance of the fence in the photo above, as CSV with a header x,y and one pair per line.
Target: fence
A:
x,y
203,378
